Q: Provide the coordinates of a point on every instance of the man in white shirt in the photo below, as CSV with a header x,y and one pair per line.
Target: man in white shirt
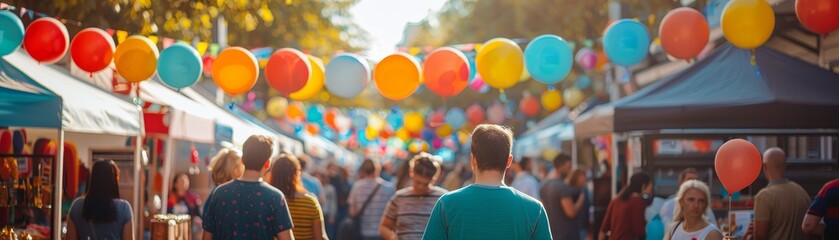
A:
x,y
525,181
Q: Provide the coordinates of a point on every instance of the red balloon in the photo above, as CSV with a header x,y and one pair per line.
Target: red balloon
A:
x,y
446,71
437,118
46,40
530,106
819,16
288,70
5,142
684,33
475,114
738,164
92,50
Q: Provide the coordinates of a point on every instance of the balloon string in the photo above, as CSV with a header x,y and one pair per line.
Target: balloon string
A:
x,y
730,230
503,96
753,59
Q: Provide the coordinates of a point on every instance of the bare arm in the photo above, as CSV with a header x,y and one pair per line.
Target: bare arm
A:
x,y
571,208
318,231
811,225
761,230
601,236
207,235
71,230
128,230
387,228
284,235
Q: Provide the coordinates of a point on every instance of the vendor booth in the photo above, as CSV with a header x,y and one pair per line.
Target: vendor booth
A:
x,y
44,98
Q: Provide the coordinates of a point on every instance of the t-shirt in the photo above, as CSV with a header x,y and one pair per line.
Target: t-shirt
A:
x,y
552,192
313,185
372,215
410,211
625,218
826,205
783,205
487,212
246,210
112,230
305,212
527,184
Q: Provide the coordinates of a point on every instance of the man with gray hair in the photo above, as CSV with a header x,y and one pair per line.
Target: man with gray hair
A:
x,y
780,207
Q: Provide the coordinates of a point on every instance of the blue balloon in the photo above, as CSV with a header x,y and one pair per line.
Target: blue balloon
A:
x,y
315,114
359,119
548,58
456,118
11,32
473,68
347,75
179,65
428,134
583,82
626,42
395,118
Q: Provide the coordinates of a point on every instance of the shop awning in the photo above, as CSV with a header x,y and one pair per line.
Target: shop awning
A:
x,y
186,120
25,102
86,108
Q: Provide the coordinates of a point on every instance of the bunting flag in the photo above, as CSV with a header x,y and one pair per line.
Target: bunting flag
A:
x,y
22,11
202,48
153,39
214,49
168,42
121,36
110,32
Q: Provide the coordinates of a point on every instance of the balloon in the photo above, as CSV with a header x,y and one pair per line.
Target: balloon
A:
x,y
179,66
375,122
347,75
444,131
235,70
359,118
529,106
371,133
330,116
500,62
342,124
11,33
427,134
315,82
46,40
18,141
397,76
587,58
437,118
395,119
573,97
496,114
551,100
314,114
446,71
475,114
403,134
626,42
288,70
312,128
548,58
737,163
455,118
525,75
819,16
477,83
583,82
684,33
413,122
417,146
92,49
136,59
294,111
436,143
5,142
276,106
747,24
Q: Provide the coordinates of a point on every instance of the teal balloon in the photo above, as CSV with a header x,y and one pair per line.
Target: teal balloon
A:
x,y
315,114
456,117
11,32
583,82
548,58
626,42
395,118
179,65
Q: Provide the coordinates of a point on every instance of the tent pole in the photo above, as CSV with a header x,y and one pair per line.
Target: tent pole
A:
x,y
58,191
574,158
614,157
138,168
167,172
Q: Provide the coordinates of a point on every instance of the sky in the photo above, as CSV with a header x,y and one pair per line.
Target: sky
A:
x,y
384,21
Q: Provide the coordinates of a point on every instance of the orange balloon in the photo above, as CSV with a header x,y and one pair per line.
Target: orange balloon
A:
x,y
235,70
684,33
312,128
329,118
397,76
294,111
529,105
738,164
446,71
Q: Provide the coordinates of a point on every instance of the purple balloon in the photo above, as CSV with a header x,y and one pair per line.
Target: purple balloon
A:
x,y
587,58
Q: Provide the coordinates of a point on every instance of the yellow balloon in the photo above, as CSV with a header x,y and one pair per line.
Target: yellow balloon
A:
x,y
444,131
403,135
235,70
413,122
748,23
315,83
500,63
551,100
525,75
371,133
397,76
573,97
276,107
136,59
375,123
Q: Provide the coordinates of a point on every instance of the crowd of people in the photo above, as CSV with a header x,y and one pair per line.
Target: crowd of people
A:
x,y
287,197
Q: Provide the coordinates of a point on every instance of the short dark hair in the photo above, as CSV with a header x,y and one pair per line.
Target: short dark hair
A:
x,y
256,151
303,159
561,159
491,146
684,174
424,165
525,163
368,167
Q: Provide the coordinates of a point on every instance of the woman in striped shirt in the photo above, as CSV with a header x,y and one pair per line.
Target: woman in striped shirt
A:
x,y
407,212
306,214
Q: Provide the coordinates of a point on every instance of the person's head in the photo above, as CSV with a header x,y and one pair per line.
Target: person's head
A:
x,y
526,164
562,164
102,189
774,163
639,183
225,166
369,169
491,148
424,170
577,178
304,160
688,174
693,200
256,153
180,184
285,175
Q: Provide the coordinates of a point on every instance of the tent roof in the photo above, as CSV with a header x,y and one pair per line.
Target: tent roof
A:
x,y
188,119
86,109
21,95
725,90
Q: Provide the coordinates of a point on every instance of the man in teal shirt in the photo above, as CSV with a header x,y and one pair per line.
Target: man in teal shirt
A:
x,y
488,209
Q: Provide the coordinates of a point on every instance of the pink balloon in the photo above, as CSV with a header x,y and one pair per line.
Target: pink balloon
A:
x,y
437,118
587,58
437,143
495,113
477,83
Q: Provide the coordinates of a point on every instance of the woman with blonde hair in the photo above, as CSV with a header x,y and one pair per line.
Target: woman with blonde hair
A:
x,y
689,221
226,165
306,213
